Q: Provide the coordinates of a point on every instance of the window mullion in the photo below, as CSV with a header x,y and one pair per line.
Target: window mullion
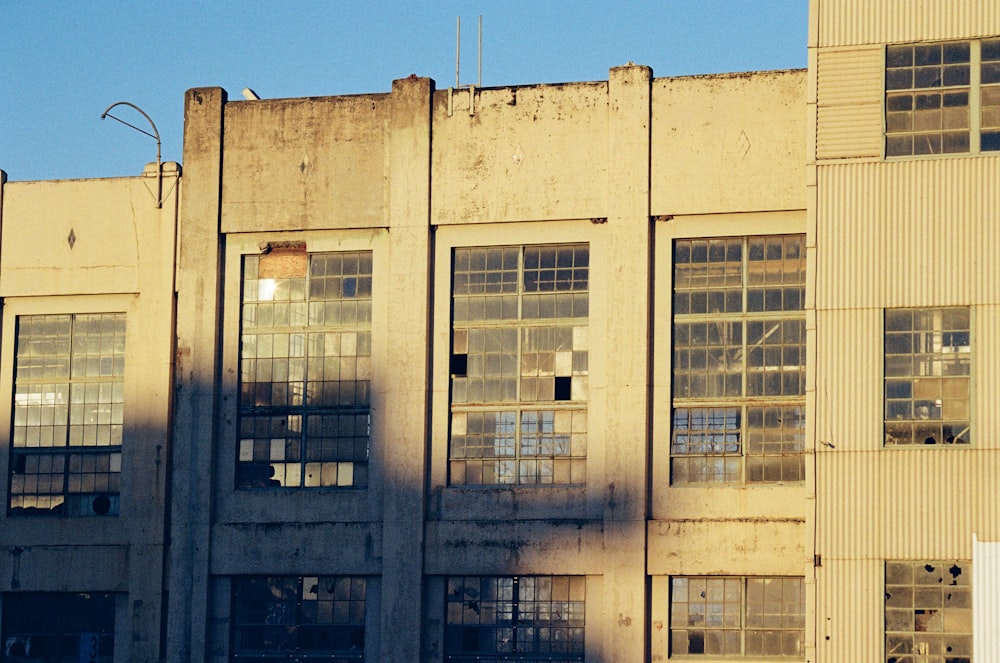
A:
x,y
975,96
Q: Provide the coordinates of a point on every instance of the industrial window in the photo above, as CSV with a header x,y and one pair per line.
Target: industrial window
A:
x,y
927,357
303,618
928,612
515,618
739,360
305,369
519,365
734,616
54,626
66,444
942,98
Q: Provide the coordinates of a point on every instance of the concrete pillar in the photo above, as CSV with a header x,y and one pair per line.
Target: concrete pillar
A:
x,y
402,425
627,326
198,281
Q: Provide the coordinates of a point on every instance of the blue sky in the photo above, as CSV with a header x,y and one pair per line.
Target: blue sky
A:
x,y
62,62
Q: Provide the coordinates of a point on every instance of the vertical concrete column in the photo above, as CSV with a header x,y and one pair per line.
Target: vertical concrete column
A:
x,y
403,422
626,331
198,284
147,470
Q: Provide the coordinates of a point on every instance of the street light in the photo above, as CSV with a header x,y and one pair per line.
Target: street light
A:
x,y
155,135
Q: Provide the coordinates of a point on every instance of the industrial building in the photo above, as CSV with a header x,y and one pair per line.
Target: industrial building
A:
x,y
695,368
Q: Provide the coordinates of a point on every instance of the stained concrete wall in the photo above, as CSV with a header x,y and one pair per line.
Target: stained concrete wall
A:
x,y
98,246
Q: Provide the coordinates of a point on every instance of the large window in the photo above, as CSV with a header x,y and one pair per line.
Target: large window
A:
x,y
58,627
68,404
734,616
927,357
519,365
305,618
928,612
305,369
739,360
942,98
515,618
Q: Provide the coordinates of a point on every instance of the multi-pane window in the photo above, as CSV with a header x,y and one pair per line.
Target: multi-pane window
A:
x,y
942,98
735,616
53,626
519,365
304,618
69,376
739,359
927,358
305,370
928,612
515,618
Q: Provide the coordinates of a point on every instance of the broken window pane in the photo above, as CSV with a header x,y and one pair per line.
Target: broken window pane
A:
x,y
746,347
305,370
927,362
928,611
519,369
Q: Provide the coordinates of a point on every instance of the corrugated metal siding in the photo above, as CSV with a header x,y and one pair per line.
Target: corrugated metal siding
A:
x,y
985,600
854,22
849,621
908,233
849,100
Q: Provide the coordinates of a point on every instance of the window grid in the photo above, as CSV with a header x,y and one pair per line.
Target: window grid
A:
x,y
928,612
738,360
305,373
515,618
302,618
942,98
927,362
519,365
737,616
68,412
58,626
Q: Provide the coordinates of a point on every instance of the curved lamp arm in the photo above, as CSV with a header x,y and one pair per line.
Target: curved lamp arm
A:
x,y
155,135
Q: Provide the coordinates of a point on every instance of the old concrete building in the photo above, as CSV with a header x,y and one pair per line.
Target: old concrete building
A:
x,y
648,368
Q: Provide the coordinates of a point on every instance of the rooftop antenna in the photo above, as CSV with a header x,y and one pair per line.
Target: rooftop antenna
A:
x,y
458,53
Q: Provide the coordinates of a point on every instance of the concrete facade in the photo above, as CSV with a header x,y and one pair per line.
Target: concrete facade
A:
x,y
787,484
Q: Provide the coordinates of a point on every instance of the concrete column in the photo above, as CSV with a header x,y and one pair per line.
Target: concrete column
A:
x,y
198,282
627,326
402,425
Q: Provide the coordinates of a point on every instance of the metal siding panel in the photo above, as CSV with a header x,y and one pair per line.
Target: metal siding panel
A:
x,y
849,98
853,22
985,600
849,619
908,233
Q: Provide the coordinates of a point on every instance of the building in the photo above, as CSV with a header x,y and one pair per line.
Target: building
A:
x,y
646,368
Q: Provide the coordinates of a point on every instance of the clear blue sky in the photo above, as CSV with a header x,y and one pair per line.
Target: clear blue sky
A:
x,y
63,62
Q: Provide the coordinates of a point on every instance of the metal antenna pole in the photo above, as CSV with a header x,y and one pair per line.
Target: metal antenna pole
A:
x,y
458,48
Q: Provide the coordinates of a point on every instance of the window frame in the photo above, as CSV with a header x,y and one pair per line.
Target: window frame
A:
x,y
301,614
19,307
466,606
740,470
981,98
943,424
743,625
103,640
917,597
561,419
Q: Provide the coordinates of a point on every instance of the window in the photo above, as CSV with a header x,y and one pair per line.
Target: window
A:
x,y
927,357
69,375
58,627
305,369
738,360
515,618
282,618
928,612
519,365
942,98
733,616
